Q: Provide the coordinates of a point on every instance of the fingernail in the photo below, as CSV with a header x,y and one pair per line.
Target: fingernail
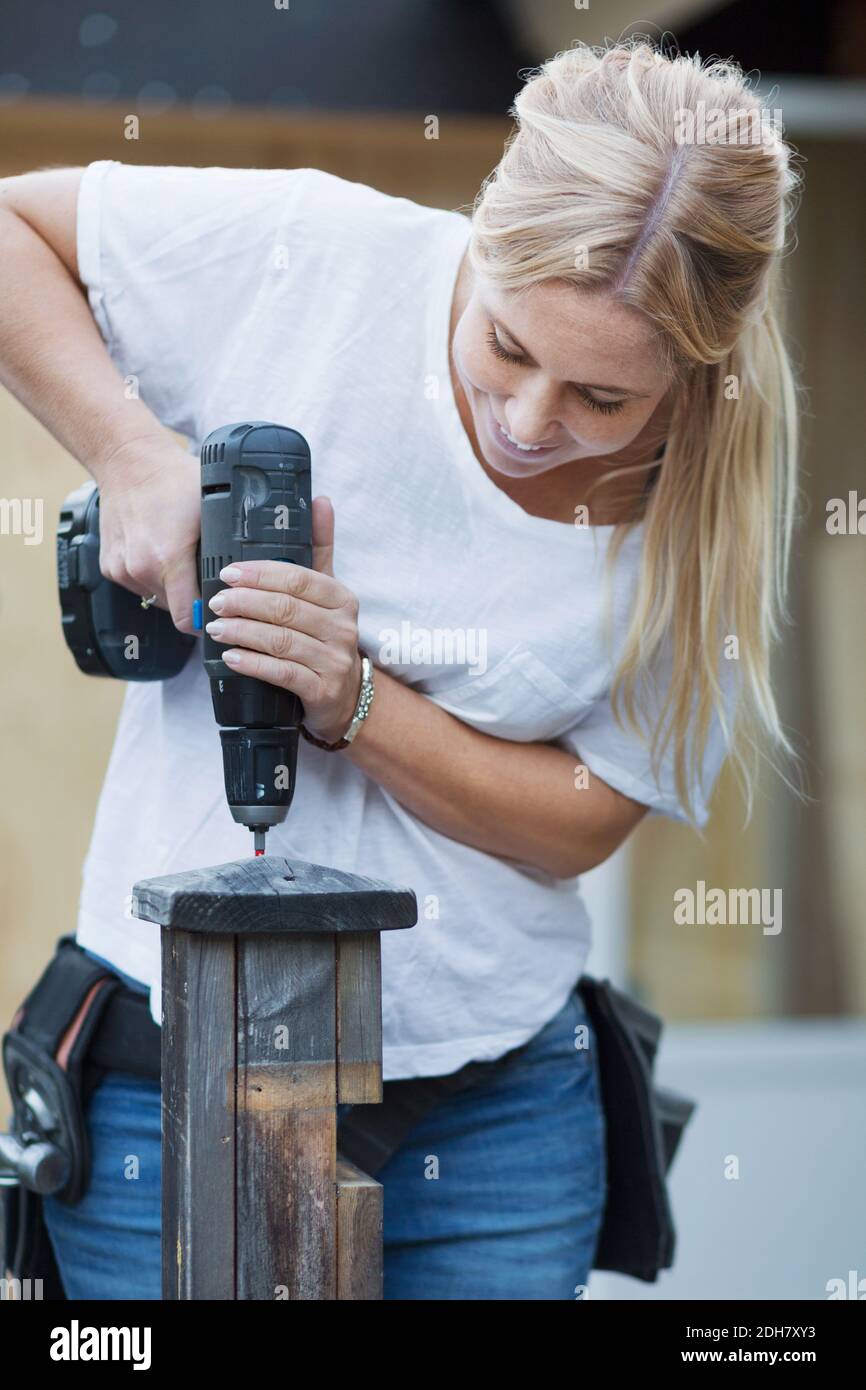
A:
x,y
231,658
217,603
230,574
214,629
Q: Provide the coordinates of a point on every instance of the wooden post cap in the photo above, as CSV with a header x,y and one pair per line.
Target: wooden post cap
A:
x,y
272,894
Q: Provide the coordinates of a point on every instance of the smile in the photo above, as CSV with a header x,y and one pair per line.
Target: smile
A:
x,y
516,444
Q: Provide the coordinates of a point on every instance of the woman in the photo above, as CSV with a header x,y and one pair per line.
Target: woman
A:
x,y
559,444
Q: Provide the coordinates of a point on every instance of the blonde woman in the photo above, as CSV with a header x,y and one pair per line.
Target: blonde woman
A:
x,y
558,442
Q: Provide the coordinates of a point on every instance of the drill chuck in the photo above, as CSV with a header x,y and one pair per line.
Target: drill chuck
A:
x,y
259,767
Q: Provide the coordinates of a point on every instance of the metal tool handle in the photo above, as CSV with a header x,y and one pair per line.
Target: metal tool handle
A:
x,y
41,1167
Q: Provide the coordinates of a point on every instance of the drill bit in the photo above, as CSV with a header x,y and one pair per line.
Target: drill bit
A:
x,y
259,841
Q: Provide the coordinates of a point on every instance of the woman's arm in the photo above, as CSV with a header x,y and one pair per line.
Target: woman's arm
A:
x,y
53,359
518,800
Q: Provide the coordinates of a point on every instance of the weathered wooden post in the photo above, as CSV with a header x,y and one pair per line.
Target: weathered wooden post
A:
x,y
271,998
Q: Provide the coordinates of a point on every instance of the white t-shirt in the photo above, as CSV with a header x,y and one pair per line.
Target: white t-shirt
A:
x,y
302,298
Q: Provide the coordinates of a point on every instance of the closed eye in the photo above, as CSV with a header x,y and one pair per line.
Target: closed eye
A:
x,y
602,407
502,353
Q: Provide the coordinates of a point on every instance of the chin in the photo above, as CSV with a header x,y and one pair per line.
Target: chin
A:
x,y
510,468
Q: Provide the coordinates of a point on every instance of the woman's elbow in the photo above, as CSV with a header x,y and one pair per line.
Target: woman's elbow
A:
x,y
584,851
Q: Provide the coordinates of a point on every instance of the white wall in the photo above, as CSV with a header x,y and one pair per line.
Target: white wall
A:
x,y
605,892
788,1100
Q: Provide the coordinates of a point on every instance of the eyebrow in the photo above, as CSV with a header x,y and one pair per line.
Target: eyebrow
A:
x,y
585,385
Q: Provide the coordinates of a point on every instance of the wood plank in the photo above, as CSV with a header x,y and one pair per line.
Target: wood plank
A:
x,y
359,1019
359,1234
198,1116
286,1119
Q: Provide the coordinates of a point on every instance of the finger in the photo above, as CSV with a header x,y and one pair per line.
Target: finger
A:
x,y
284,610
141,589
181,589
323,535
280,642
283,577
286,674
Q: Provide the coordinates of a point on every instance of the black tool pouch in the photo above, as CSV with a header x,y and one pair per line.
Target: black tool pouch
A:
x,y
644,1125
44,1059
44,1054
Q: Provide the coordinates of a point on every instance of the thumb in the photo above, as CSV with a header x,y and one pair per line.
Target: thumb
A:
x,y
323,535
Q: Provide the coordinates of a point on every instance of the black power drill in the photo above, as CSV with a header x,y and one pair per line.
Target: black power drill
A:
x,y
256,504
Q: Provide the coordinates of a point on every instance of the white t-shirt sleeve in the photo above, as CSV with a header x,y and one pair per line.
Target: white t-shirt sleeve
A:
x,y
622,759
173,260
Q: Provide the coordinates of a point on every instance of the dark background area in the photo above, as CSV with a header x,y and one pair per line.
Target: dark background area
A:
x,y
785,36
382,55
393,55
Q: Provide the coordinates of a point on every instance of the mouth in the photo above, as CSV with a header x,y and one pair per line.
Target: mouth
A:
x,y
514,447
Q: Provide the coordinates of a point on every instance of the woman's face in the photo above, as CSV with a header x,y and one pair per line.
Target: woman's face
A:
x,y
571,374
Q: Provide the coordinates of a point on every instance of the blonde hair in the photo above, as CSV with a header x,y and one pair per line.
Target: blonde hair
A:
x,y
604,185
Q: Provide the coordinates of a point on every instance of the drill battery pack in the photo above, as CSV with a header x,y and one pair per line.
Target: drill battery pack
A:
x,y
105,626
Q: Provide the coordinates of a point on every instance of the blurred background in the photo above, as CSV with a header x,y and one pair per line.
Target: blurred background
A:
x,y
766,1031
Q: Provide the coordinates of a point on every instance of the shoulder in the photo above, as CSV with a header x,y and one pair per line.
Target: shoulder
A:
x,y
193,203
355,207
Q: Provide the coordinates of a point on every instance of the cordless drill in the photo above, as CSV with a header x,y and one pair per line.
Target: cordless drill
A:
x,y
256,504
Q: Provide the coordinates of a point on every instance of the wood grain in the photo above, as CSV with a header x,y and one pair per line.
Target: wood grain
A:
x,y
272,894
359,1234
287,1152
198,1117
359,1019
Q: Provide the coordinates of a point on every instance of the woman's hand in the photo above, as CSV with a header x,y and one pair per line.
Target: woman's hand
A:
x,y
150,521
295,628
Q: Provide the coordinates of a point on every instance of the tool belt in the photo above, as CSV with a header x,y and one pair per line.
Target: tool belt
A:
x,y
81,1021
78,1022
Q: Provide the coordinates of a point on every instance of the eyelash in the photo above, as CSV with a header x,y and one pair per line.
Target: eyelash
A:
x,y
603,407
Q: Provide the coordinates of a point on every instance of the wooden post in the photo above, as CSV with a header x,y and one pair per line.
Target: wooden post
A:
x,y
271,1016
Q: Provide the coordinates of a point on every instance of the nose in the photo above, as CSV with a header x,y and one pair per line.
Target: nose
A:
x,y
530,418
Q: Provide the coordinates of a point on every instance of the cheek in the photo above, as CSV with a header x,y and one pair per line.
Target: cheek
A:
x,y
610,432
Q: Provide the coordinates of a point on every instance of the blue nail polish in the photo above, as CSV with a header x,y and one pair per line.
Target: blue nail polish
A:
x,y
197,615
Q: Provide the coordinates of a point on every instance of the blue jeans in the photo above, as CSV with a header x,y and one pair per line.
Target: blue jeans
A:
x,y
498,1193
